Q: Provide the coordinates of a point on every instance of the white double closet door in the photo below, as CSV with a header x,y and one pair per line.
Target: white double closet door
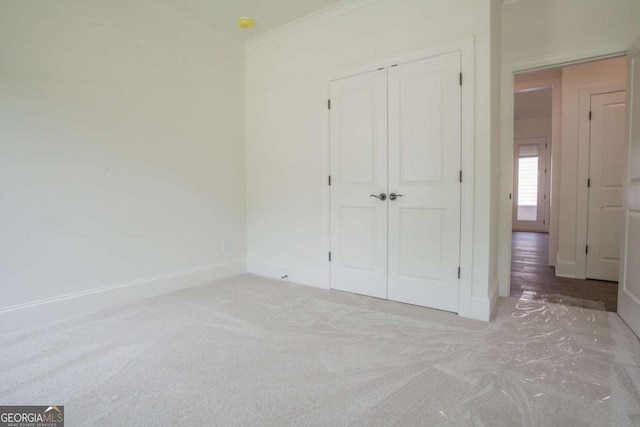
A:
x,y
395,182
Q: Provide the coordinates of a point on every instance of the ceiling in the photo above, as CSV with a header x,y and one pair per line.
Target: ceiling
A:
x,y
222,15
532,104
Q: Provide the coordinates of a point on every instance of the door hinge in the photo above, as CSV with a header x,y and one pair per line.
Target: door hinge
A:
x,y
458,272
460,79
544,222
329,256
329,104
589,183
586,249
329,179
590,115
509,196
460,176
545,145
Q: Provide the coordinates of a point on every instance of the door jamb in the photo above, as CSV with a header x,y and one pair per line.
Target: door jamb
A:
x,y
555,84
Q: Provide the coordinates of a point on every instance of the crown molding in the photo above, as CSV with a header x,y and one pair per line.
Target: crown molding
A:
x,y
307,21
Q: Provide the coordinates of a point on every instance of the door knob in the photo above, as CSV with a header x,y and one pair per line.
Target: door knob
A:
x,y
394,196
382,196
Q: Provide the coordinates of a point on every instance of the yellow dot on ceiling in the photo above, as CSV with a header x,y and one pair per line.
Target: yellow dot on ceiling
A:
x,y
245,22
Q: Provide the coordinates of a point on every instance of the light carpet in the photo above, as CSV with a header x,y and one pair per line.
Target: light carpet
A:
x,y
254,351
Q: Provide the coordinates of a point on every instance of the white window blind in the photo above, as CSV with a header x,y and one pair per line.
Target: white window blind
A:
x,y
528,183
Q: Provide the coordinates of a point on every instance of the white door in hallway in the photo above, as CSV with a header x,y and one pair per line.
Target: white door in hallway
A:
x,y
606,175
424,175
530,196
629,287
358,133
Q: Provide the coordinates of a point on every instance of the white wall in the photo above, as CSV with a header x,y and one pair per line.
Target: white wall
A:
x,y
565,30
533,103
531,128
538,33
121,155
287,79
600,75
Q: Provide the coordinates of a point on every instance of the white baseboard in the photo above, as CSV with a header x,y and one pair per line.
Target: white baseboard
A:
x,y
494,295
66,306
483,307
566,269
628,309
480,309
304,277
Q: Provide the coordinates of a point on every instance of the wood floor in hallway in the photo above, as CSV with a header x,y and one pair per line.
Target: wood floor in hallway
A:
x,y
530,272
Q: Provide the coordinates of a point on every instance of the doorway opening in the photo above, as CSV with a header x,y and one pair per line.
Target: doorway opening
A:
x,y
532,155
569,127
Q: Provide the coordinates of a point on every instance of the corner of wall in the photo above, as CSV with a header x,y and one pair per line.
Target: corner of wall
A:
x,y
494,296
480,309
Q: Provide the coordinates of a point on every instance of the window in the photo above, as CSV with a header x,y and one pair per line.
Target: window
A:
x,y
528,157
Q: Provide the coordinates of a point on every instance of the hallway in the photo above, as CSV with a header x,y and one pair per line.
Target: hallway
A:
x,y
532,277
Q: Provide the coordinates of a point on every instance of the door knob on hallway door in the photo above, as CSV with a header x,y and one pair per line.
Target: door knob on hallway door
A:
x,y
394,196
382,196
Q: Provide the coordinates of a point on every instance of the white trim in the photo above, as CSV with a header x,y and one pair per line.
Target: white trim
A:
x,y
553,189
434,49
467,306
506,140
628,309
307,21
493,299
303,277
555,165
475,308
505,213
566,268
61,307
629,304
480,309
563,59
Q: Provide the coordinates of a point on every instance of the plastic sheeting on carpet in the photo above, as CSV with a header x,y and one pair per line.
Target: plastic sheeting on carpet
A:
x,y
253,351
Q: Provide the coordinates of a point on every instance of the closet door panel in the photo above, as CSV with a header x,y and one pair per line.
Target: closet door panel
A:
x,y
424,168
420,141
420,242
358,132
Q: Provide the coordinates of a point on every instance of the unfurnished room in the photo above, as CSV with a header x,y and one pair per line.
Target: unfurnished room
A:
x,y
319,212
